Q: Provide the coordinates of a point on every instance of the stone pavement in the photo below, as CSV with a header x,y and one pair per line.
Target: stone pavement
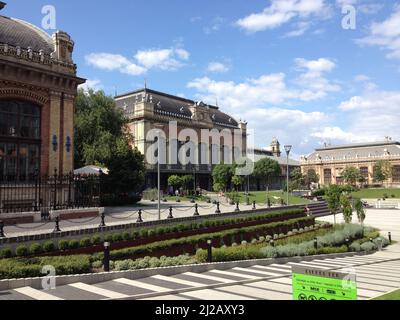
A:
x,y
123,215
376,274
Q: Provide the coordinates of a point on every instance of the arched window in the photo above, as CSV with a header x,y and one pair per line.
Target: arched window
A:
x,y
19,140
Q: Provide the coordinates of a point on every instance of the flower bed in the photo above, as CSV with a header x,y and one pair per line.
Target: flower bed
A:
x,y
140,237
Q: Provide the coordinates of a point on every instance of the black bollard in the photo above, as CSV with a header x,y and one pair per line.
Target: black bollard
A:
x,y
209,251
389,236
170,216
2,235
269,203
315,243
57,227
254,205
106,260
139,219
272,242
102,223
196,210
218,210
237,207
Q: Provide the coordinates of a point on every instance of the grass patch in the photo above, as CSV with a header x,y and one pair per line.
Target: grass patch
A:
x,y
377,193
275,196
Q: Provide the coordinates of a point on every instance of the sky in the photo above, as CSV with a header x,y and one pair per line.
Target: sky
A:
x,y
308,72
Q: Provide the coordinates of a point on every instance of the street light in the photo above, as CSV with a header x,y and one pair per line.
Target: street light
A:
x,y
288,148
106,261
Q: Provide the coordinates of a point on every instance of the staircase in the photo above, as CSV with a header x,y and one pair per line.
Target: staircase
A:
x,y
319,209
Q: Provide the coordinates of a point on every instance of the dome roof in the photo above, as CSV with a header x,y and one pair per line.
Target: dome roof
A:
x,y
20,33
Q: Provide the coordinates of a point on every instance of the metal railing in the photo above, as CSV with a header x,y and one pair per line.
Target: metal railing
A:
x,y
45,193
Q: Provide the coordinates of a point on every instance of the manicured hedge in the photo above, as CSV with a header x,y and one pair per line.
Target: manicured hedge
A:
x,y
195,240
32,267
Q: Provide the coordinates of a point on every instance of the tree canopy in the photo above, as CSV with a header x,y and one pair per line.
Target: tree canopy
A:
x,y
382,171
267,168
351,175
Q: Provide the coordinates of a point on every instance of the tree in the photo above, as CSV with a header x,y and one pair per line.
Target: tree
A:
x,y
382,171
296,179
311,177
359,207
351,175
175,181
187,182
266,168
332,194
126,173
98,124
346,208
222,175
237,181
101,138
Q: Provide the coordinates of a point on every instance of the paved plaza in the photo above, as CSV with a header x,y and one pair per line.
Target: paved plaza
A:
x,y
377,273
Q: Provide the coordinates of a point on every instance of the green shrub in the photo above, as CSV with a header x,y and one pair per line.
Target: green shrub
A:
x,y
85,242
116,237
97,264
96,239
355,247
63,244
126,236
21,251
108,238
151,233
35,248
5,253
160,231
74,244
144,233
244,243
48,246
134,235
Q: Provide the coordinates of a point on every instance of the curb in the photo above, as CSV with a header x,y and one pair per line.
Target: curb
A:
x,y
93,278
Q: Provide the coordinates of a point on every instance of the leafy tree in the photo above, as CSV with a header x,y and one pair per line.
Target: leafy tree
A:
x,y
296,179
222,175
126,172
98,125
351,175
358,206
187,182
237,181
382,171
101,138
332,194
175,181
346,208
311,177
266,168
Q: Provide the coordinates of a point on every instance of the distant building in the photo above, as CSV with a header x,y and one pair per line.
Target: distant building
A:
x,y
148,109
330,161
274,153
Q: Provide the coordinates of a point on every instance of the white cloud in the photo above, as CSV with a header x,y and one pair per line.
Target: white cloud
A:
x,y
362,78
300,29
386,35
281,12
217,67
215,25
94,84
112,62
144,60
164,59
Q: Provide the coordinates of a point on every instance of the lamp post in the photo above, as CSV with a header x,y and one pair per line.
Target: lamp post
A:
x,y
288,148
158,126
209,251
106,261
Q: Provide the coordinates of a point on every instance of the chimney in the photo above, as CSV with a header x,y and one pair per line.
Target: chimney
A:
x,y
2,5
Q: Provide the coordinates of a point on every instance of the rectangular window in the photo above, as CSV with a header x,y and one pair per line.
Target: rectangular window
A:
x,y
327,176
396,173
364,172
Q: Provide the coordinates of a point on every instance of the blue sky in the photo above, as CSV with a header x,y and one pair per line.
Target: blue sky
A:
x,y
287,67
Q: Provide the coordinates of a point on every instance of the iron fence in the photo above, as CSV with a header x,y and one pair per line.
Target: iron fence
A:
x,y
45,193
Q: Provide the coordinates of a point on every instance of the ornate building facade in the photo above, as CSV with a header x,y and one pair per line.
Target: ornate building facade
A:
x,y
38,85
274,153
149,109
329,162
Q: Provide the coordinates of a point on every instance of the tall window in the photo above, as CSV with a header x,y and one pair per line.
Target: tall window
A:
x,y
396,173
19,140
364,172
327,176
